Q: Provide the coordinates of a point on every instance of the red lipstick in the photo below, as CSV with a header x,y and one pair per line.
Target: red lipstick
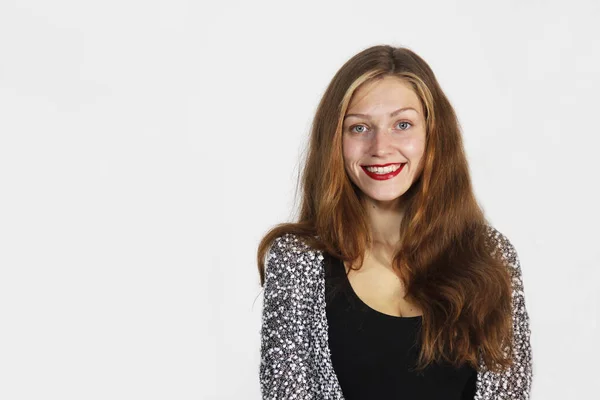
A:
x,y
382,177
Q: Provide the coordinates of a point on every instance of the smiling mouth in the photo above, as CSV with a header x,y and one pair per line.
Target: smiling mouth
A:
x,y
383,173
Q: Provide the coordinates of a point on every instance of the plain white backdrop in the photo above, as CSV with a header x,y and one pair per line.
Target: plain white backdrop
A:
x,y
146,147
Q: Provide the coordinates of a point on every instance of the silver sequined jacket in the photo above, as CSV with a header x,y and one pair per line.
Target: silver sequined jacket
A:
x,y
295,359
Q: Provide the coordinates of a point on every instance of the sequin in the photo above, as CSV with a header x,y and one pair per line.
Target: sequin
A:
x,y
295,359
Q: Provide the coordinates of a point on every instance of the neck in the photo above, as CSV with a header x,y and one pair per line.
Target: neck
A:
x,y
384,220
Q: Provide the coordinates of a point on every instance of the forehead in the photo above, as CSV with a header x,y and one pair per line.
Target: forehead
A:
x,y
388,93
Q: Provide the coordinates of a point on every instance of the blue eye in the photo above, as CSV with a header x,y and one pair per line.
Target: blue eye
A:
x,y
357,126
352,128
405,122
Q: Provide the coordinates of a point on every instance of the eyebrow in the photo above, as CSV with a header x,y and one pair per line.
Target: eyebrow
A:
x,y
398,111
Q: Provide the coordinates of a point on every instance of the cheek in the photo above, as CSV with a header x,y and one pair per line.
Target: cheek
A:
x,y
351,151
413,147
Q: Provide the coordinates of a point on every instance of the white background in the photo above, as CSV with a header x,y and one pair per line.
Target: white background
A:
x,y
146,147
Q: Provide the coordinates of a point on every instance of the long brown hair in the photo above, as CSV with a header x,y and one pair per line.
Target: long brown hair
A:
x,y
445,257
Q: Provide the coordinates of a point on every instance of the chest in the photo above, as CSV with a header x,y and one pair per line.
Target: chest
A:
x,y
379,287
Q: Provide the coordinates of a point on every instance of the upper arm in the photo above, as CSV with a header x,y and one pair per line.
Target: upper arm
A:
x,y
284,331
514,383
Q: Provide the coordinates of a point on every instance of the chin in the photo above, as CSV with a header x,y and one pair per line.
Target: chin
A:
x,y
383,198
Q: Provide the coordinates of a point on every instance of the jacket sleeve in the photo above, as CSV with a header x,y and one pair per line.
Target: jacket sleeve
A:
x,y
515,382
284,372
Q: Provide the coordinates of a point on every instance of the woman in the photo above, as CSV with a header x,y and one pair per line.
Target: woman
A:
x,y
392,284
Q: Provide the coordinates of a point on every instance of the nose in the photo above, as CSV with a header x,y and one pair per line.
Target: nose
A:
x,y
381,144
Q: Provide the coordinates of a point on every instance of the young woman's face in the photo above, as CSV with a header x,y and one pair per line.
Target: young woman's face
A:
x,y
390,132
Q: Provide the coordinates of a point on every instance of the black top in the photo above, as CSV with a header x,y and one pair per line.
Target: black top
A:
x,y
373,354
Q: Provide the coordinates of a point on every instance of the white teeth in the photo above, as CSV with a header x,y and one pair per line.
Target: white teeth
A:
x,y
383,170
